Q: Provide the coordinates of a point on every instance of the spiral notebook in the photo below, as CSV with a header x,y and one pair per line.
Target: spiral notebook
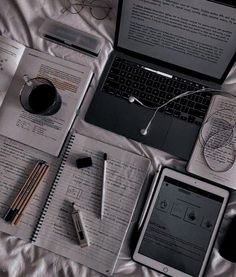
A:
x,y
47,221
126,173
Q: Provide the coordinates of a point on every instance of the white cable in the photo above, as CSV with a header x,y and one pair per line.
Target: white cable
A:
x,y
144,131
132,99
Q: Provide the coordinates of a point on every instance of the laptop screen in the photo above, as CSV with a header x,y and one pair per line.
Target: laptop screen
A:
x,y
199,36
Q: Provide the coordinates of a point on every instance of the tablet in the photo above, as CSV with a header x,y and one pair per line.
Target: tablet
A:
x,y
181,225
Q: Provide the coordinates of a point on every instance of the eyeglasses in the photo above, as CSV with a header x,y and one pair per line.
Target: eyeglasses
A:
x,y
99,9
218,141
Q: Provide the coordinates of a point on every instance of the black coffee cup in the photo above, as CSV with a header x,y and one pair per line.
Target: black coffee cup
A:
x,y
39,96
227,248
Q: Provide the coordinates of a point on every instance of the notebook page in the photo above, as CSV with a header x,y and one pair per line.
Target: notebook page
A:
x,y
16,163
126,173
223,109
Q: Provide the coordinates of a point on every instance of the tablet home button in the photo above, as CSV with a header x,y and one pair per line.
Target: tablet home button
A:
x,y
165,269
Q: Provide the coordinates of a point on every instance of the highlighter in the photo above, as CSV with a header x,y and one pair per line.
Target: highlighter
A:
x,y
79,227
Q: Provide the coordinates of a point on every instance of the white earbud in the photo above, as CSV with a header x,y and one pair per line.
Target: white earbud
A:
x,y
131,99
144,131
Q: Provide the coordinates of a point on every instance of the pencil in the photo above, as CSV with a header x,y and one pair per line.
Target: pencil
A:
x,y
11,211
23,197
23,205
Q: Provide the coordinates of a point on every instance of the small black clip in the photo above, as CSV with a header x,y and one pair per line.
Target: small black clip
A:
x,y
83,162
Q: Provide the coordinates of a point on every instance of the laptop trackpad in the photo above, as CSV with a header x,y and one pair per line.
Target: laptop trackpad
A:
x,y
134,118
158,131
181,138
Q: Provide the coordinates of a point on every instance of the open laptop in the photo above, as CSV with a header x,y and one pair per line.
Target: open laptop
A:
x,y
173,46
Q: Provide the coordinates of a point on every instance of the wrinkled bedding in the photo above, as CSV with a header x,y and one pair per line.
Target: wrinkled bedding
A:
x,y
20,20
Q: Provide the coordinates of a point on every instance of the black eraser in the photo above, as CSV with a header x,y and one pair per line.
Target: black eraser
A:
x,y
84,162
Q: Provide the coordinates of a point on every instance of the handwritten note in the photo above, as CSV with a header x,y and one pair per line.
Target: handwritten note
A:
x,y
126,173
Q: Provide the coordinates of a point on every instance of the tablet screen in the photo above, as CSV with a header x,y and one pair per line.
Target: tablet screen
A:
x,y
180,226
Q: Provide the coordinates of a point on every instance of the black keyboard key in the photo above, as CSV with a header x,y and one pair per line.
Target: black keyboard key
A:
x,y
129,90
171,104
183,117
143,80
176,85
169,96
183,101
177,91
162,94
177,106
176,114
170,89
148,74
191,119
128,82
122,80
148,89
155,91
190,104
125,95
200,107
196,113
115,70
128,68
156,85
111,84
156,100
123,88
142,72
149,82
184,109
115,64
183,87
162,79
142,95
141,87
206,101
135,70
118,93
113,77
136,93
163,87
168,110
149,97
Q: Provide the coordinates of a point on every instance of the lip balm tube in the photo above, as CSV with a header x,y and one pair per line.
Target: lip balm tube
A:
x,y
79,227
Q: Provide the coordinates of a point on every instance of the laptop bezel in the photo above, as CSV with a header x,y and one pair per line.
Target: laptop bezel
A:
x,y
172,67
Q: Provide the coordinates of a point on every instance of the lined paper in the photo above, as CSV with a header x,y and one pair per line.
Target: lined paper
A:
x,y
16,162
126,173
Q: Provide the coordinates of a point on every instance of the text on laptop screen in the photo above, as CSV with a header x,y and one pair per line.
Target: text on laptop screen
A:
x,y
197,35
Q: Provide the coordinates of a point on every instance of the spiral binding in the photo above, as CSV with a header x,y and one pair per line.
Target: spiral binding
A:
x,y
52,190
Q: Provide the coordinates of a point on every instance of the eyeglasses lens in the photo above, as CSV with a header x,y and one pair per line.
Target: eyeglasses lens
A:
x,y
100,9
218,147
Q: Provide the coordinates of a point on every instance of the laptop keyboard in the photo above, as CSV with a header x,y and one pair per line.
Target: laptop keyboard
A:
x,y
128,78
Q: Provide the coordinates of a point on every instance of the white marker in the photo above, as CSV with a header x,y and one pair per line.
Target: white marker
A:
x,y
79,227
150,193
103,183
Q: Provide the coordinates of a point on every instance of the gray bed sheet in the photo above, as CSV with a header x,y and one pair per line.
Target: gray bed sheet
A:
x,y
20,20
